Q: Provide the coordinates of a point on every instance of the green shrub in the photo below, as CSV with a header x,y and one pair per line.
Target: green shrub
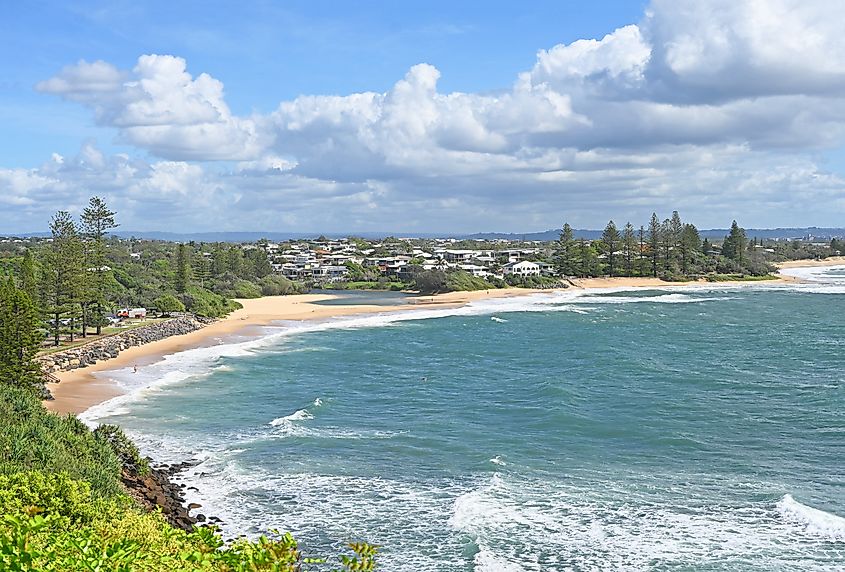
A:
x,y
168,303
275,285
460,280
125,449
31,438
133,541
206,303
52,493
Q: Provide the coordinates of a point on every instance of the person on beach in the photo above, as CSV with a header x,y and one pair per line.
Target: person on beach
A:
x,y
135,368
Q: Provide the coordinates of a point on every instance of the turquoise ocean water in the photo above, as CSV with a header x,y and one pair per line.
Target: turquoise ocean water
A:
x,y
676,429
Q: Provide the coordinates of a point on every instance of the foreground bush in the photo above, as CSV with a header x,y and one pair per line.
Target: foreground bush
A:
x,y
63,507
144,542
32,438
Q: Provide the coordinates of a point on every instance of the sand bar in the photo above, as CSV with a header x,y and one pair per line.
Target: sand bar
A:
x,y
830,261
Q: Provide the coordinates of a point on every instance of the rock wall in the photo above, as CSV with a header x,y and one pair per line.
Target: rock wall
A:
x,y
109,347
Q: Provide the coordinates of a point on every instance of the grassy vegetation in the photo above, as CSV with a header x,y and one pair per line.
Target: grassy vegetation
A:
x,y
740,277
461,281
63,508
367,285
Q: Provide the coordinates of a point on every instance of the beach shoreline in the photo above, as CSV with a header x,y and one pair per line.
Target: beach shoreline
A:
x,y
80,389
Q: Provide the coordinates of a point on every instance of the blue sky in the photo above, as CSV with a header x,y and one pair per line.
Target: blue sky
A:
x,y
215,114
266,52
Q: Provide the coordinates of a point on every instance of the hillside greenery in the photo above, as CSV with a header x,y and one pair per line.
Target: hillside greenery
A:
x,y
63,507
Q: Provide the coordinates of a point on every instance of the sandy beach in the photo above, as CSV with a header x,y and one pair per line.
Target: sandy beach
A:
x,y
79,389
831,261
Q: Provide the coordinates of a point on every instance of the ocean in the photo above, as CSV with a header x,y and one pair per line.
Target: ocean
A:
x,y
694,429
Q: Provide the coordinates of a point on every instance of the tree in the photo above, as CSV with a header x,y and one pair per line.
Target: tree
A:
x,y
62,273
29,279
735,243
183,269
566,265
19,337
587,259
629,244
641,255
168,303
706,247
431,281
676,230
654,242
97,219
690,243
201,268
611,239
666,242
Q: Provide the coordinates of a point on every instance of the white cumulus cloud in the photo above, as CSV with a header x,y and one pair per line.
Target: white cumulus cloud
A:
x,y
700,105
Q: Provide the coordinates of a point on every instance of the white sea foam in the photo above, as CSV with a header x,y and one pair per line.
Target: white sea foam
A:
x,y
486,561
497,460
599,528
299,415
498,319
816,521
318,402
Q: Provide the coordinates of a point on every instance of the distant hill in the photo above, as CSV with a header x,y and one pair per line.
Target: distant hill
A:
x,y
553,234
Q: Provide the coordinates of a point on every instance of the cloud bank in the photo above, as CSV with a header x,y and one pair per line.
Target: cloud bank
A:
x,y
717,109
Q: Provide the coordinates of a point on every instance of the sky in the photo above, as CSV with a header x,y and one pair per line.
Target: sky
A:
x,y
428,117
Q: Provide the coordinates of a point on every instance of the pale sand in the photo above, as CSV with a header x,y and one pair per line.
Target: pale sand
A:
x,y
80,390
831,261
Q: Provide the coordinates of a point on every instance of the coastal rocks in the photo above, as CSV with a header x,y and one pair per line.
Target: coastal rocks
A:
x,y
156,490
110,346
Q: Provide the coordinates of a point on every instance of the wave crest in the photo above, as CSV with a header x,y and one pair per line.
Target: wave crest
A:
x,y
815,521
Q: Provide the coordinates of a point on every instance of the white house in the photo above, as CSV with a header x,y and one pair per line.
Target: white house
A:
x,y
524,268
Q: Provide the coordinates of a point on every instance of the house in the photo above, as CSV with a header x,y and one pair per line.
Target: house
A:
x,y
524,268
475,270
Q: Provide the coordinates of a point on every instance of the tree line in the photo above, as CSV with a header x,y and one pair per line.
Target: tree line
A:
x,y
669,249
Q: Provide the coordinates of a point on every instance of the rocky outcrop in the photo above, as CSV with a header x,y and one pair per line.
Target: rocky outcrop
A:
x,y
155,489
109,347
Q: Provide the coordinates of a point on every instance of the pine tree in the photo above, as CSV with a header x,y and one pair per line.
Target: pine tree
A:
x,y
676,230
690,243
201,268
29,280
654,242
62,273
735,243
566,252
611,239
97,220
666,245
641,255
629,244
19,337
587,259
236,261
183,269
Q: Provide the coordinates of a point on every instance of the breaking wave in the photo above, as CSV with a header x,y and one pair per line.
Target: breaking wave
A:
x,y
817,522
